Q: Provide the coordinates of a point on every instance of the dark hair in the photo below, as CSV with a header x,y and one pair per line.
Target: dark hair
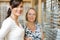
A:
x,y
36,14
13,4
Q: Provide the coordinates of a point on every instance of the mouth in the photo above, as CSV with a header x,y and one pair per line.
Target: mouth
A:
x,y
19,12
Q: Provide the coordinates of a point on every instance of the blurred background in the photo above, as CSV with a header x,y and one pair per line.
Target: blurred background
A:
x,y
48,15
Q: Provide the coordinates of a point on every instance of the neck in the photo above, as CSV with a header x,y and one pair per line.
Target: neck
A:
x,y
31,23
14,17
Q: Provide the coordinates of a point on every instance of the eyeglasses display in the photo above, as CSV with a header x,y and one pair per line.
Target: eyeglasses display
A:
x,y
53,19
3,11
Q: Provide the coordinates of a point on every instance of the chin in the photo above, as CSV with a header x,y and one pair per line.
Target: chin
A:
x,y
31,21
18,14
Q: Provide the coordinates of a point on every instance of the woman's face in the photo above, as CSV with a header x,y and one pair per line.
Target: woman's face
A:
x,y
18,10
31,16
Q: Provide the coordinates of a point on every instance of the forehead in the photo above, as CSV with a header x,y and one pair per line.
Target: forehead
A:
x,y
21,4
31,11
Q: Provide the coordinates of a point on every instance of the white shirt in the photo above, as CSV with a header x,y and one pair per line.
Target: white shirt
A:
x,y
10,31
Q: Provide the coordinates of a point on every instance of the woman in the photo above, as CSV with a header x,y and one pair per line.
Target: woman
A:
x,y
32,28
11,28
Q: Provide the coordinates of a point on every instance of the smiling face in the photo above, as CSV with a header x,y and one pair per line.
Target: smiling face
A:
x,y
17,11
31,15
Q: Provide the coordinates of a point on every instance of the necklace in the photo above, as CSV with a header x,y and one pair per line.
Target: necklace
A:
x,y
31,27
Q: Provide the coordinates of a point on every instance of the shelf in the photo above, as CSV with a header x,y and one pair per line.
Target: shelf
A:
x,y
4,0
23,0
27,0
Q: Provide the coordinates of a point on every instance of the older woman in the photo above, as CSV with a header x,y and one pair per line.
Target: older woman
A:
x,y
33,30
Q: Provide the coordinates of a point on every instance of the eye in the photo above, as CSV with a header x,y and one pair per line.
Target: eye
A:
x,y
21,6
33,14
30,14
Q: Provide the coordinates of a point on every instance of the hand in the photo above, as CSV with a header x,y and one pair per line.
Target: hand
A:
x,y
29,38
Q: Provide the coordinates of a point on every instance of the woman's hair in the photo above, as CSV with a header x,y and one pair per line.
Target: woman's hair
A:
x,y
35,12
13,4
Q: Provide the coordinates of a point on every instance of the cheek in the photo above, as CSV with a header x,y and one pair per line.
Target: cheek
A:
x,y
28,17
31,18
34,17
14,10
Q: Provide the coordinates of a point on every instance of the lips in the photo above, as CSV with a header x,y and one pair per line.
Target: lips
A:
x,y
19,12
31,18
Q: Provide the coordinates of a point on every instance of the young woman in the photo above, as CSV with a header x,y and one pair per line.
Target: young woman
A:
x,y
33,30
11,28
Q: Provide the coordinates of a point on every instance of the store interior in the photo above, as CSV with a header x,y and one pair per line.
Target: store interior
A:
x,y
48,15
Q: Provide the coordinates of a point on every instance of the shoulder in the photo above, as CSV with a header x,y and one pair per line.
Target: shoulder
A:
x,y
38,25
7,21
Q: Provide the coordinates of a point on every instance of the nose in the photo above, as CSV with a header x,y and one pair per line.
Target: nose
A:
x,y
31,15
20,8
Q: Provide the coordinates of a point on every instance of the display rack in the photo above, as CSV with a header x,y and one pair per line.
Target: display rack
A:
x,y
3,11
53,19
